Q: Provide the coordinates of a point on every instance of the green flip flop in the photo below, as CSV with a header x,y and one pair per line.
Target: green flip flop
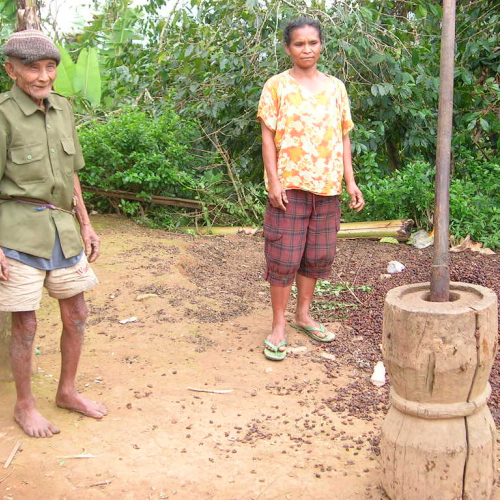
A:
x,y
311,329
273,352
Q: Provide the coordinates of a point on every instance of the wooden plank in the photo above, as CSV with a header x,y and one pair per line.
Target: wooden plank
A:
x,y
12,454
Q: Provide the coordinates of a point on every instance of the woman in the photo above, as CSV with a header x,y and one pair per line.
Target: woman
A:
x,y
305,121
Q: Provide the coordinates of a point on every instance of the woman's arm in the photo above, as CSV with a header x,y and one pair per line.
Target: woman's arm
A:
x,y
357,201
276,191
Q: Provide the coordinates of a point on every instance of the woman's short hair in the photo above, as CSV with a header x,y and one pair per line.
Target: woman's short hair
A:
x,y
300,22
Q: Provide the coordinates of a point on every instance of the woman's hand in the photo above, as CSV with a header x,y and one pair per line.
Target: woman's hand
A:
x,y
277,195
357,201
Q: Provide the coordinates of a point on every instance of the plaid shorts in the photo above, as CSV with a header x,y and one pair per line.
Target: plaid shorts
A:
x,y
303,239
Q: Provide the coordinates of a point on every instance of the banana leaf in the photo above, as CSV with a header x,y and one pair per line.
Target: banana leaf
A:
x,y
87,80
65,74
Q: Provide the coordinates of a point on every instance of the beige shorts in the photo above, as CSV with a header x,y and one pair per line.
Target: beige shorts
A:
x,y
23,290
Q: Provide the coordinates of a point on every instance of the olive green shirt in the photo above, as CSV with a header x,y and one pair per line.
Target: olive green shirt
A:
x,y
39,154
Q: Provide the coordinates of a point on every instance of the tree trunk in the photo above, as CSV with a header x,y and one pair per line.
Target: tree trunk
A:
x,y
393,155
27,15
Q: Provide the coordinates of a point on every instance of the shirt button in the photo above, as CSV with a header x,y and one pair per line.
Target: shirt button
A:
x,y
55,196
48,126
52,150
29,157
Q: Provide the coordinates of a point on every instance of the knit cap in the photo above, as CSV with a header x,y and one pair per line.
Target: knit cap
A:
x,y
31,46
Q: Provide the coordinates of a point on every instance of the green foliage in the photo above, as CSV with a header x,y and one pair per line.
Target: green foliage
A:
x,y
142,153
80,81
409,193
8,11
158,154
87,78
326,293
65,74
475,202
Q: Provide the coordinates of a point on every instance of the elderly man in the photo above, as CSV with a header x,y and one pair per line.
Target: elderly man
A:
x,y
40,195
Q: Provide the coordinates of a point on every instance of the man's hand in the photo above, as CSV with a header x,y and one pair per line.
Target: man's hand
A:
x,y
277,195
4,267
357,201
91,242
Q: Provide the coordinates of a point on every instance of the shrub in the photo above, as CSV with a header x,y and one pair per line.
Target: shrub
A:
x,y
475,203
409,193
143,153
406,194
156,152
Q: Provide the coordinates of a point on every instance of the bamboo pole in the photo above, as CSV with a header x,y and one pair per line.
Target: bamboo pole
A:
x,y
440,272
374,229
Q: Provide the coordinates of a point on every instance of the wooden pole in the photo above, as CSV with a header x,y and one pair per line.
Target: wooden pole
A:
x,y
440,272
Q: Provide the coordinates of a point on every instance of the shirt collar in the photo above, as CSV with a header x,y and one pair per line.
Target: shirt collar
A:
x,y
27,105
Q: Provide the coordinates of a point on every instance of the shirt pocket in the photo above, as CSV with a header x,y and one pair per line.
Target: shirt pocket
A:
x,y
68,145
28,164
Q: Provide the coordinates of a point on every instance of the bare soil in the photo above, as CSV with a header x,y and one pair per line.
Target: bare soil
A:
x,y
304,428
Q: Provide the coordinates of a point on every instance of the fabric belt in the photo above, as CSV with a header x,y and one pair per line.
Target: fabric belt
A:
x,y
39,206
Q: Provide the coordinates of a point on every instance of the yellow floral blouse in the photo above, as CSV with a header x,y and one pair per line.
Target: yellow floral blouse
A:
x,y
308,132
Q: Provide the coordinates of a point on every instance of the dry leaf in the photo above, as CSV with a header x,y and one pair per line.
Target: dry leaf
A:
x,y
468,244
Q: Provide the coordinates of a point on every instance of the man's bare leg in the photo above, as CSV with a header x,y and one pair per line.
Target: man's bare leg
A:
x,y
21,349
73,316
305,293
279,301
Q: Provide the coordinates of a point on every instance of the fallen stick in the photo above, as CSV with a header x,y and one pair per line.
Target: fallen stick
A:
x,y
160,200
12,455
8,475
102,483
213,391
84,454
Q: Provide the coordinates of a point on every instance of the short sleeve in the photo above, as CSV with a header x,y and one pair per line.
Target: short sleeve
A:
x,y
347,123
268,106
3,147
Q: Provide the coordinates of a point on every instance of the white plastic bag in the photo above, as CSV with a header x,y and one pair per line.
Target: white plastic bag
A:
x,y
395,267
421,239
378,376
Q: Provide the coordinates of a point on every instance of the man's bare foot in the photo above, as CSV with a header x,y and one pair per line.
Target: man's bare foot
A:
x,y
32,422
76,402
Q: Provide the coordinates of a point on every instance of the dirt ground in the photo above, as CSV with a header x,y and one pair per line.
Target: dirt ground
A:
x,y
304,428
